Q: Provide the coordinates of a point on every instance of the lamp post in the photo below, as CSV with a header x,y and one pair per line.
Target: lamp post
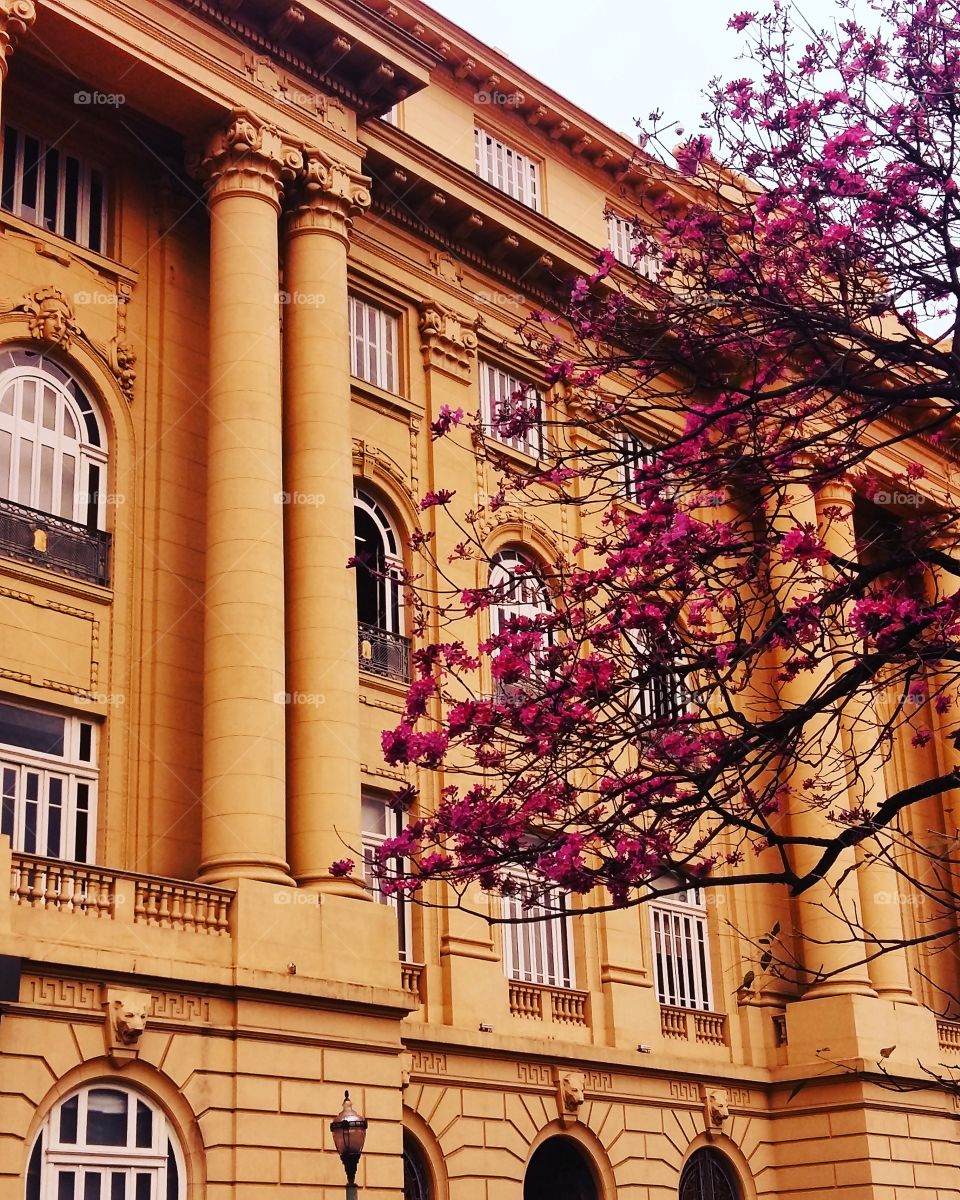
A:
x,y
349,1131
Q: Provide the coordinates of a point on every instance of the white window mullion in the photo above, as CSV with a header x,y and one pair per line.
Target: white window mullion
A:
x,y
373,344
506,169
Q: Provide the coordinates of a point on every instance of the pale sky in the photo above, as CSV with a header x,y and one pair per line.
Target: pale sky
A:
x,y
618,60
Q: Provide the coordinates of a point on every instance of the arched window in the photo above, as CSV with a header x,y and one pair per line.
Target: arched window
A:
x,y
559,1170
516,589
106,1143
379,567
708,1176
416,1173
52,447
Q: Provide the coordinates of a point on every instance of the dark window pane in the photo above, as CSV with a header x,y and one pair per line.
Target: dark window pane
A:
x,y
69,1112
173,1174
66,1185
31,730
144,1126
93,495
95,241
33,1172
107,1118
71,198
143,1191
91,1186
118,1186
30,813
82,822
10,139
86,734
51,189
31,166
7,801
54,816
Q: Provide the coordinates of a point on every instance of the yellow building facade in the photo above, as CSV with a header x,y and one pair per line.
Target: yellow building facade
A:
x,y
250,249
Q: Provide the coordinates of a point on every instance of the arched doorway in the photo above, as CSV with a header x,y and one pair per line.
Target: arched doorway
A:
x,y
708,1176
559,1170
416,1172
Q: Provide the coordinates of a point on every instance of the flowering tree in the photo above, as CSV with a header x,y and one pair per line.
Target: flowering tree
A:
x,y
745,662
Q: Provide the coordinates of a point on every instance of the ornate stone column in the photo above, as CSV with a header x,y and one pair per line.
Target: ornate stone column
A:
x,y
880,907
827,911
244,166
16,17
322,671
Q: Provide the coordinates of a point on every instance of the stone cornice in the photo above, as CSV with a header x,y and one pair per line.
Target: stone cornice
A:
x,y
16,16
245,155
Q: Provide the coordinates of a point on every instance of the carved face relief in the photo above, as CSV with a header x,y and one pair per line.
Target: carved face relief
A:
x,y
128,1015
571,1090
717,1107
51,317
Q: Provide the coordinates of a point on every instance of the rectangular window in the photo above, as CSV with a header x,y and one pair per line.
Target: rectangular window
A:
x,y
48,783
53,189
511,409
373,344
537,951
380,822
681,953
622,241
507,169
637,456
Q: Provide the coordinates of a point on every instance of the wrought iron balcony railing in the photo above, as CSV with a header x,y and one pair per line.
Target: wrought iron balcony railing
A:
x,y
53,542
383,653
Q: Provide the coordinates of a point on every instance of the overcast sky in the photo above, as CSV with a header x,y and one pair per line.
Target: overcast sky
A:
x,y
630,59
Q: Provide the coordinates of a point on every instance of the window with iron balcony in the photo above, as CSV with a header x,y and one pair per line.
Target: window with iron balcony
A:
x,y
61,192
507,169
382,647
53,468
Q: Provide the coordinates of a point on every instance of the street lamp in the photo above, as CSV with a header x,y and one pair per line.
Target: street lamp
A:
x,y
349,1131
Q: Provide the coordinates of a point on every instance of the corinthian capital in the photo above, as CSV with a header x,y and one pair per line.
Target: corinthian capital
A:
x,y
245,155
16,16
329,195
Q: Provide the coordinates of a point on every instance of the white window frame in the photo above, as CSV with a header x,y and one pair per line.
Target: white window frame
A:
x,y
680,945
57,175
506,169
497,389
30,387
538,952
393,614
371,841
519,593
374,339
622,241
82,1159
29,781
636,455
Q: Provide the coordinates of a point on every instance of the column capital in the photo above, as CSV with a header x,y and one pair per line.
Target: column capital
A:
x,y
244,155
16,16
328,195
837,493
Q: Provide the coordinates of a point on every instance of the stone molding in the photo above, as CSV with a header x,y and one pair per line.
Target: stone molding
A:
x,y
448,340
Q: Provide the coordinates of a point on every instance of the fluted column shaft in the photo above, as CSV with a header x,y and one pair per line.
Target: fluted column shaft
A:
x,y
322,671
244,167
880,910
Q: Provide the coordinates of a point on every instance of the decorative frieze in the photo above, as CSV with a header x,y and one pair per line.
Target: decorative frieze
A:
x,y
448,340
